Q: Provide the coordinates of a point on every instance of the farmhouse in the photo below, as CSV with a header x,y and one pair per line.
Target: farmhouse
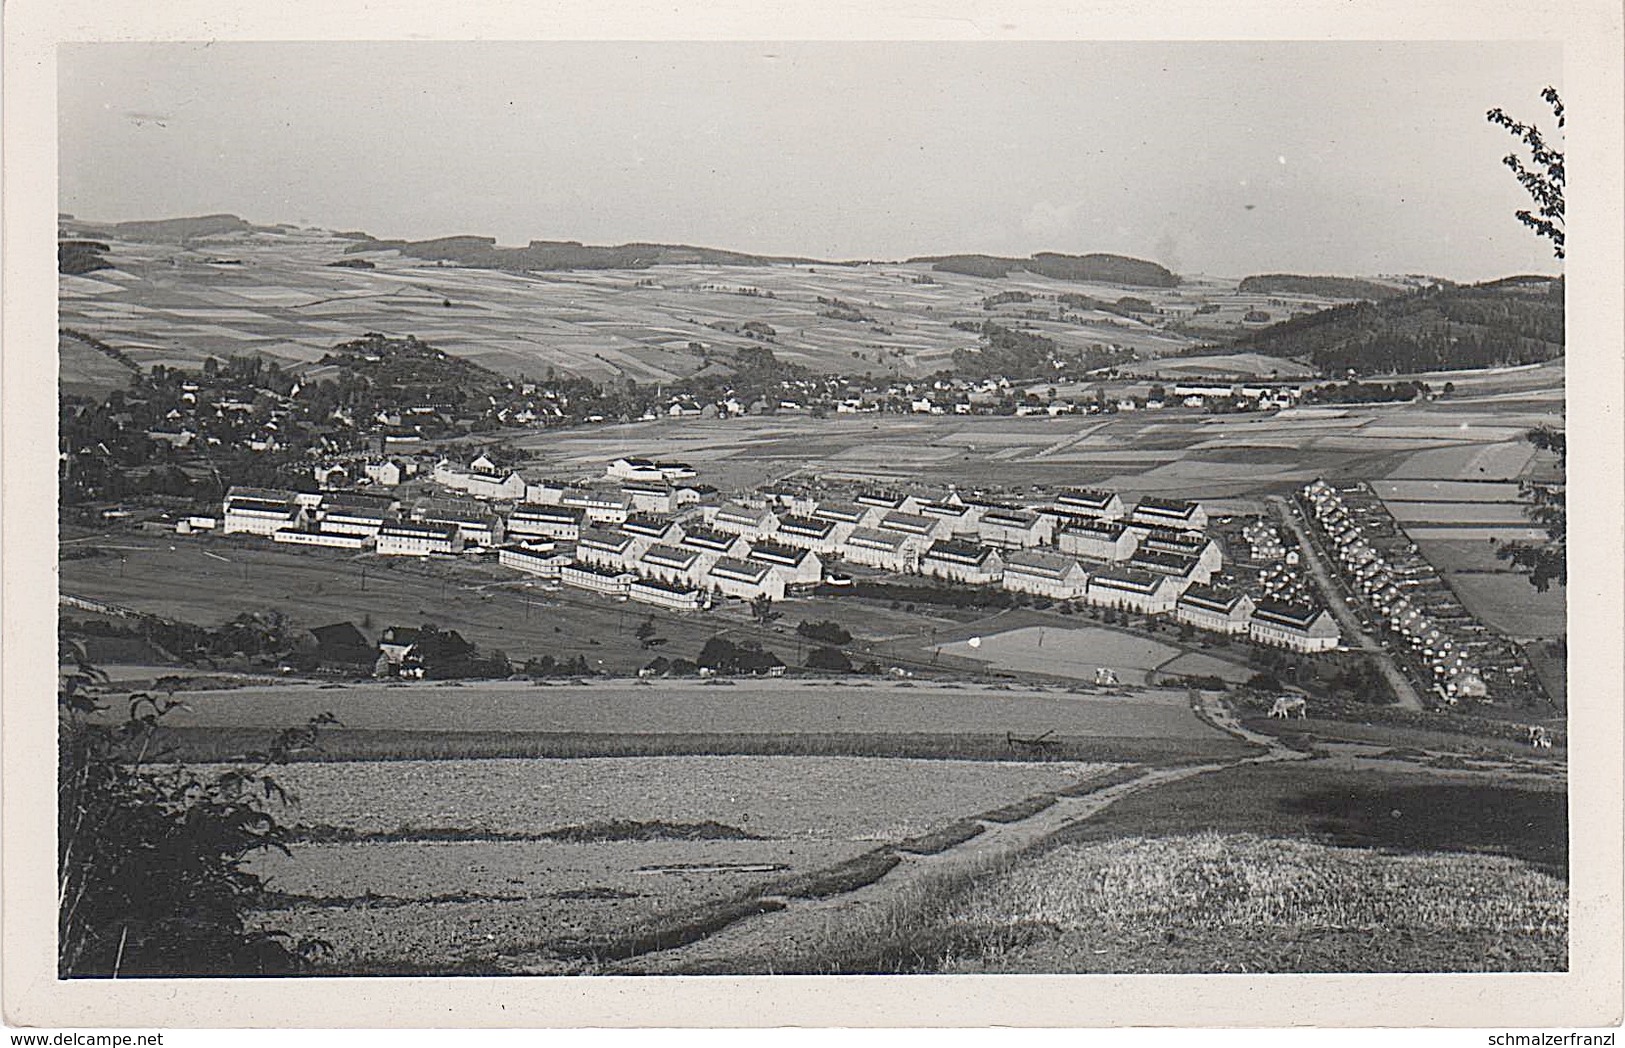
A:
x,y
966,562
1053,575
739,519
1141,591
548,522
746,579
1171,513
1216,610
259,511
545,563
397,642
665,595
1294,626
675,564
341,643
814,533
798,567
406,539
1090,502
599,580
886,550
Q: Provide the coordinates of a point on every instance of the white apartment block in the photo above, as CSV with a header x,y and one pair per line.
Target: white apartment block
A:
x,y
1215,610
1044,574
966,562
1130,590
405,539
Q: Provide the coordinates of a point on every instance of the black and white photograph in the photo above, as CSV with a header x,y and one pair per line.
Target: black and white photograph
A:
x,y
603,508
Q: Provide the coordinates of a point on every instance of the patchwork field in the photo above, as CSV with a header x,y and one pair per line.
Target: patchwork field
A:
x,y
278,292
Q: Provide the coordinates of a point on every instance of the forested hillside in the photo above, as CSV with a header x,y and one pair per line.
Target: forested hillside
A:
x,y
1439,328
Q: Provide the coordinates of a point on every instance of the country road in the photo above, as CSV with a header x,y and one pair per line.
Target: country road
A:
x,y
1403,689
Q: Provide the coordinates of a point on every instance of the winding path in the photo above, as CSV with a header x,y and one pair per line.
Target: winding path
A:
x,y
743,945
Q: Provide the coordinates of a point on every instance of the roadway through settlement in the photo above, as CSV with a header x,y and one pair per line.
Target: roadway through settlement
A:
x,y
1403,689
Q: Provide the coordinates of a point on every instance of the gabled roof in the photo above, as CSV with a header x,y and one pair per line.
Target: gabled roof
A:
x,y
959,552
811,527
776,553
740,513
551,514
675,557
705,538
1010,518
650,527
605,539
908,523
409,529
1128,580
1091,498
1167,507
1110,530
740,570
841,512
870,538
1212,598
1290,616
1041,563
1163,562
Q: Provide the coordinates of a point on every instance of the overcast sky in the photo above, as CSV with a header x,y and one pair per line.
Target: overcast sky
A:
x,y
1209,158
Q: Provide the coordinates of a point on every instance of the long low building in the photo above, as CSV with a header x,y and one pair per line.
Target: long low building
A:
x,y
814,533
599,580
666,595
544,563
1015,528
799,567
259,511
331,539
1090,502
1178,514
677,565
408,539
547,522
1045,574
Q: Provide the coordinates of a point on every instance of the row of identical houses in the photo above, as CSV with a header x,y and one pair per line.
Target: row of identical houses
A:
x,y
1395,582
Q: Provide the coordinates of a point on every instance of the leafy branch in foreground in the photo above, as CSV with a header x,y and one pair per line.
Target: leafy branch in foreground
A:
x,y
1546,562
1543,181
151,855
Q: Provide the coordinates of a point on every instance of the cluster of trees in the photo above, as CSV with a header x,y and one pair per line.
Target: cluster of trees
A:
x,y
1352,392
254,635
725,656
78,257
1013,353
1349,677
827,632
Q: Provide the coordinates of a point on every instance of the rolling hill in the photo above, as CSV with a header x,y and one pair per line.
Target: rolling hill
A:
x,y
1505,322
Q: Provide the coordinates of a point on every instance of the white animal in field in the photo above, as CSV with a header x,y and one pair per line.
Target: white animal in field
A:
x,y
1106,676
1538,737
1286,705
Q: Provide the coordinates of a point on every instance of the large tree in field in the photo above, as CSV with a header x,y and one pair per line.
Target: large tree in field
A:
x,y
1546,562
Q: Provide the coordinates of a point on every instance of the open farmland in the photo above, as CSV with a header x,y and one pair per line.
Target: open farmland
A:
x,y
673,707
1174,452
554,856
1076,652
278,292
